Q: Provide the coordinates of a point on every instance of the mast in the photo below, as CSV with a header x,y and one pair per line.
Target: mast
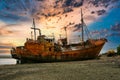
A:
x,y
65,28
82,22
34,29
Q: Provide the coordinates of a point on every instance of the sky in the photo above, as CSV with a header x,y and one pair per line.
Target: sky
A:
x,y
102,18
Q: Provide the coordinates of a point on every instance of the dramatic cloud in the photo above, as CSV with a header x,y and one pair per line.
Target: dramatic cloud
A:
x,y
115,34
101,33
116,27
90,18
6,29
77,27
73,3
66,10
51,16
104,3
23,10
4,51
101,12
114,30
6,45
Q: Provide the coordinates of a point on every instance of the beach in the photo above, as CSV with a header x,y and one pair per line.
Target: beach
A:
x,y
105,68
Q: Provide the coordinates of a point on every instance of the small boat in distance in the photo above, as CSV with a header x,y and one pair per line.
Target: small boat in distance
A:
x,y
45,49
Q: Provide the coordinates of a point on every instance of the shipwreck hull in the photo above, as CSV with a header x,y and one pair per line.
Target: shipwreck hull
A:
x,y
72,55
44,49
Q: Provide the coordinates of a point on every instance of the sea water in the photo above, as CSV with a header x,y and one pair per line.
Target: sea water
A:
x,y
6,59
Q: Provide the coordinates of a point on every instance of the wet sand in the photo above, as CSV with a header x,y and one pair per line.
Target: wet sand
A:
x,y
105,68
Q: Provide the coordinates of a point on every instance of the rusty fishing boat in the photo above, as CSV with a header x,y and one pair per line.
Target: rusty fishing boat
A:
x,y
45,49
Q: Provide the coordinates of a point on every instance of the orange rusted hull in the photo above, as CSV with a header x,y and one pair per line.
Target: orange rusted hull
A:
x,y
69,55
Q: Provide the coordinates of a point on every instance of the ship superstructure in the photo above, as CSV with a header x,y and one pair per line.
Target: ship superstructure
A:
x,y
44,49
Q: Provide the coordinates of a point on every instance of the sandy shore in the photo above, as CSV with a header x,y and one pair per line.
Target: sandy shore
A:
x,y
106,68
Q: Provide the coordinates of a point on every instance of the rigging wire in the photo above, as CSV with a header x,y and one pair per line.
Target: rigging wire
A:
x,y
87,32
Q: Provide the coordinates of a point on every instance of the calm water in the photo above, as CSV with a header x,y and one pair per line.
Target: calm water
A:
x,y
5,59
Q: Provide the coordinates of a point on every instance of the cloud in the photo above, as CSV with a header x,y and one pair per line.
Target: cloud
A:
x,y
5,47
4,51
78,4
66,10
115,34
4,30
101,33
104,3
9,29
6,44
73,3
23,10
77,27
116,27
68,3
114,30
90,17
101,12
39,0
45,10
19,10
